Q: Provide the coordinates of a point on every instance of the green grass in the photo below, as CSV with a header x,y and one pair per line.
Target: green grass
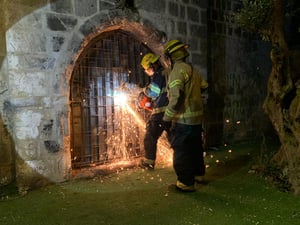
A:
x,y
232,196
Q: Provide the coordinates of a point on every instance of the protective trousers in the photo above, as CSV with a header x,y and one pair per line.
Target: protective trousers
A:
x,y
188,160
154,130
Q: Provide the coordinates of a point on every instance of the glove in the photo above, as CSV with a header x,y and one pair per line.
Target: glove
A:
x,y
167,125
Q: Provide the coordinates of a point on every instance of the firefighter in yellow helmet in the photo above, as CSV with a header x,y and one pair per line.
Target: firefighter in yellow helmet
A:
x,y
184,116
156,91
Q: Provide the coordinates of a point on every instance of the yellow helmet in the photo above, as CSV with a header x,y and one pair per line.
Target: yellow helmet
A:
x,y
173,45
148,60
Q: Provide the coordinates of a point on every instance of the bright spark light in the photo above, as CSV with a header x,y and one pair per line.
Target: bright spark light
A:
x,y
120,98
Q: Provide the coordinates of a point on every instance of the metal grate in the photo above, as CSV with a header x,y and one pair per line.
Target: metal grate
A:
x,y
102,131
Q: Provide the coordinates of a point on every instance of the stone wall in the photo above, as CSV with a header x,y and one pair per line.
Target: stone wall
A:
x,y
11,12
40,50
238,65
40,41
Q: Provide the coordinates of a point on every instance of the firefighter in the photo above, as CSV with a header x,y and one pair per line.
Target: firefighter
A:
x,y
184,116
156,91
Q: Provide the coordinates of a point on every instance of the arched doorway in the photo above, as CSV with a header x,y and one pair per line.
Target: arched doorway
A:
x,y
101,130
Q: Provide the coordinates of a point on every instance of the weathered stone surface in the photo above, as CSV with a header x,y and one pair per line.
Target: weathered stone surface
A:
x,y
74,44
182,27
29,83
106,5
26,61
173,9
61,6
52,146
90,25
22,102
26,149
57,42
198,31
60,22
85,7
193,14
154,6
20,40
200,3
27,124
3,86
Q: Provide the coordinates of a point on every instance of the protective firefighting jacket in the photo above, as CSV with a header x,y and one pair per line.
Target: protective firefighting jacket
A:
x,y
156,90
184,92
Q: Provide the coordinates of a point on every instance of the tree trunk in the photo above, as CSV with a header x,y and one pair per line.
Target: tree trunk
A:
x,y
282,103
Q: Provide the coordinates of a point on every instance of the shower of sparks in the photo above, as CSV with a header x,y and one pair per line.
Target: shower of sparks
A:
x,y
132,130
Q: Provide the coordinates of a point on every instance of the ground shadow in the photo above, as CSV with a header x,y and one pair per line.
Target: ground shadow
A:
x,y
226,168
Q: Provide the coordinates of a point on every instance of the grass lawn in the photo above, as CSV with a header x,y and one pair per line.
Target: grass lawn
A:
x,y
232,196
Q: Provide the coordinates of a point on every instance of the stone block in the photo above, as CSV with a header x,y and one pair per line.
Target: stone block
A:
x,y
90,25
173,9
106,5
200,3
182,12
198,59
182,27
30,61
57,42
74,44
52,146
154,6
85,7
193,14
203,17
22,102
60,22
61,6
20,40
198,31
29,83
27,149
27,124
194,43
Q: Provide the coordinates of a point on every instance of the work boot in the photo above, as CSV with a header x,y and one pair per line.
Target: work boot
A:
x,y
147,164
185,188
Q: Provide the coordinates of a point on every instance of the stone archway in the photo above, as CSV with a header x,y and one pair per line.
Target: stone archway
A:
x,y
101,129
109,57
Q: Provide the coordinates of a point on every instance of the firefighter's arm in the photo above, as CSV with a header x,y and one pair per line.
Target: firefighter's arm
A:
x,y
176,98
153,90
